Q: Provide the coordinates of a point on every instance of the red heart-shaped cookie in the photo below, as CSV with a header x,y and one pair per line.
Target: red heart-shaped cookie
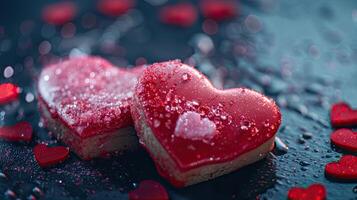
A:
x,y
313,192
345,168
195,132
20,132
342,115
49,156
8,93
86,103
182,14
345,138
149,190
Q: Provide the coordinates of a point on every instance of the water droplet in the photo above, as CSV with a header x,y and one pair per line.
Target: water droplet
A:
x,y
355,189
307,135
8,72
157,123
29,97
304,163
280,145
185,76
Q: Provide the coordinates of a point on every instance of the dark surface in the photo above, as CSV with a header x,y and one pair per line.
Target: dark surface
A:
x,y
304,55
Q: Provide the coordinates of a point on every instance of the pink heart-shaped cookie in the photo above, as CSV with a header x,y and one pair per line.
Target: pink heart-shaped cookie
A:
x,y
342,115
149,190
345,138
195,132
85,102
49,156
20,132
8,92
344,169
313,192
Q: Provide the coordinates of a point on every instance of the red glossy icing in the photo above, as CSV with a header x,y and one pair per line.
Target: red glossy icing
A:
x,y
342,115
345,168
345,138
8,92
313,192
219,9
88,94
149,190
243,119
59,13
115,8
20,132
182,14
49,156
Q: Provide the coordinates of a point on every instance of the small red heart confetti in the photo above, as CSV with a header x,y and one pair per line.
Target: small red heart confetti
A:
x,y
313,192
345,138
219,9
182,14
342,115
8,92
20,132
345,168
115,8
149,190
49,156
59,13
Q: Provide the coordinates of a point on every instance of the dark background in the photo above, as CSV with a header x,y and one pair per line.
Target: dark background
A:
x,y
302,53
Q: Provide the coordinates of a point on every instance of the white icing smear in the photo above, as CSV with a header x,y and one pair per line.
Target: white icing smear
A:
x,y
190,125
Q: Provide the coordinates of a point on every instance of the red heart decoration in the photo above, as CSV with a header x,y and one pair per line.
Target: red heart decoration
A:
x,y
59,13
49,156
86,103
8,92
186,124
115,8
149,190
345,138
219,9
345,168
20,132
313,192
182,14
342,115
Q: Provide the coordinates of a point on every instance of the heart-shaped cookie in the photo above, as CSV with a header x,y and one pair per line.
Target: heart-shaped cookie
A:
x,y
149,190
85,102
344,169
343,115
8,92
49,156
20,132
345,138
313,192
195,132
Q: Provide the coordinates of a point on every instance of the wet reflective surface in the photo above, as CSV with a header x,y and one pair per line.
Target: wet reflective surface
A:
x,y
301,53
